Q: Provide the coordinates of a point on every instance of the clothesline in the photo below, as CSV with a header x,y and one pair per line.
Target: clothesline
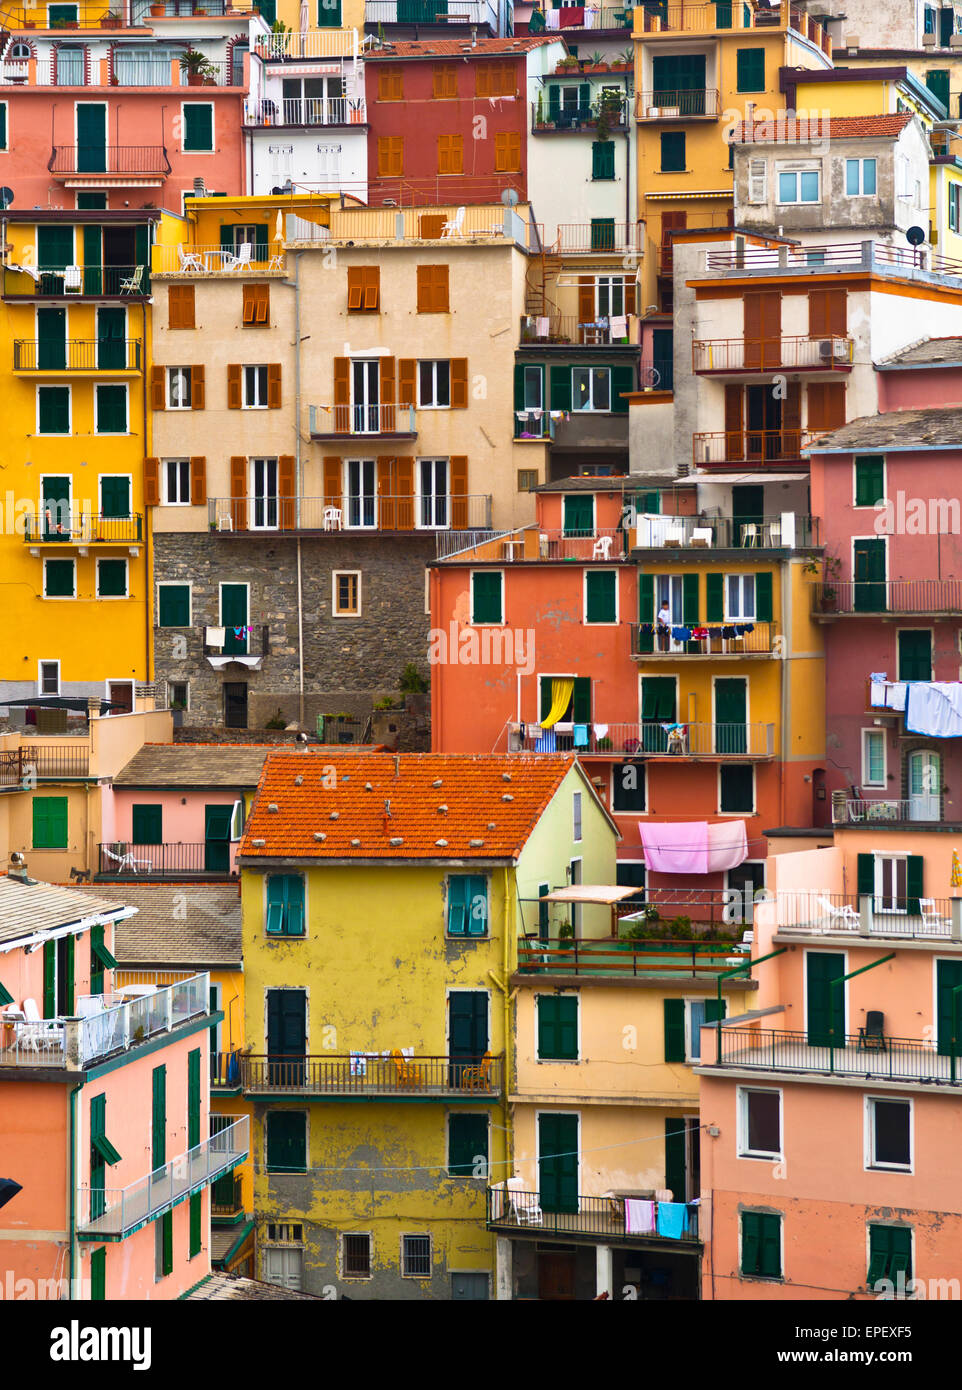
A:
x,y
695,634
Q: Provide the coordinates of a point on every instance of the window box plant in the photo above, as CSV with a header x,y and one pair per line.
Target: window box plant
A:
x,y
111,20
193,64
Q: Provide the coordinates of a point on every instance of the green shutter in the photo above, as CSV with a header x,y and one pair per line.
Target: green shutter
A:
x,y
673,152
173,605
193,1098
294,915
544,922
50,979
167,1228
600,596
147,825
115,497
98,948
763,597
275,906
581,700
761,1244
715,598
199,127
865,875
111,410
159,1117
518,391
58,579
5,996
750,69
689,600
622,381
467,1142
913,884
287,1141
560,388
196,1208
98,1275
111,578
737,787
3,125
457,905
578,514
937,80
646,611
713,1012
869,480
915,655
674,1030
50,822
53,415
70,958
603,159
486,590
558,1027
676,1151
602,234
890,1251
750,1242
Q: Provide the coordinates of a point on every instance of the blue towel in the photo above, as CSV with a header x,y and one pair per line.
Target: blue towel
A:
x,y
546,743
581,735
671,1219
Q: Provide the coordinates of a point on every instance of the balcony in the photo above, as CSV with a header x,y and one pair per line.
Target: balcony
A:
x,y
662,19
533,424
610,110
754,447
512,1212
311,111
597,238
106,1026
893,597
34,759
452,14
374,1076
697,742
678,106
86,162
371,421
791,354
901,1059
60,527
614,958
851,914
226,1200
113,355
843,257
361,515
562,330
193,262
606,19
884,810
75,281
225,1074
310,43
693,535
737,640
112,1213
122,859
433,220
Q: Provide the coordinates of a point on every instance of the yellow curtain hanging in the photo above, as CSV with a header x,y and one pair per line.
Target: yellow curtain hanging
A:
x,y
562,690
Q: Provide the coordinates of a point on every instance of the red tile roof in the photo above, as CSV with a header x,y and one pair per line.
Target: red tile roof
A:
x,y
400,806
802,130
460,48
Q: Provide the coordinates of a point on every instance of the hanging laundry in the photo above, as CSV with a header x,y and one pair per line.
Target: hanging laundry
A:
x,y
581,735
934,708
681,634
675,848
639,1217
727,845
672,1217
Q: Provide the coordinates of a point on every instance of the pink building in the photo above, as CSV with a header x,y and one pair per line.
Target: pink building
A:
x,y
106,1105
832,1110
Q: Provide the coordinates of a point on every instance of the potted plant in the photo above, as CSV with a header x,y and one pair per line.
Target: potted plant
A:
x,y
158,11
539,110
111,20
193,64
566,932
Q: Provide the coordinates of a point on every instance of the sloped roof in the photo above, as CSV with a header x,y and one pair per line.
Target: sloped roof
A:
x,y
177,924
26,908
221,1287
460,48
803,131
406,806
936,427
206,764
931,351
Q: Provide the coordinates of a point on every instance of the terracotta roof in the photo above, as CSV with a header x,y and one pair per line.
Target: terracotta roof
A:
x,y
220,1287
442,806
26,908
204,932
931,351
939,426
804,131
628,482
460,48
204,764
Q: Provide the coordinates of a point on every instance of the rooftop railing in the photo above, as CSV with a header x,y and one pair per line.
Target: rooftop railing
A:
x,y
830,913
798,260
201,260
872,1058
560,329
593,238
608,957
612,110
310,43
794,353
126,859
374,1074
40,760
74,281
660,17
337,513
894,596
454,13
76,355
510,1209
873,811
653,739
785,531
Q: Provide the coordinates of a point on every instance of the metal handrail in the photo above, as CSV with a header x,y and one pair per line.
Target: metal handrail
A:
x,y
367,1073
337,512
110,159
828,352
852,1054
78,354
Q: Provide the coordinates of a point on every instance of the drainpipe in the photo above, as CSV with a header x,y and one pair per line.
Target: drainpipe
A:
x,y
786,696
72,1218
509,929
148,554
298,488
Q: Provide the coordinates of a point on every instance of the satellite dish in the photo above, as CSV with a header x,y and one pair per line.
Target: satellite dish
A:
x,y
510,197
6,196
915,236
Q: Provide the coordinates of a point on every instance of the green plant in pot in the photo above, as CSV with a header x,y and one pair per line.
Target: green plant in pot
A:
x,y
566,936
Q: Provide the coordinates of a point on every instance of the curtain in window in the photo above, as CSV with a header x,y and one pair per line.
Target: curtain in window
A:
x,y
562,690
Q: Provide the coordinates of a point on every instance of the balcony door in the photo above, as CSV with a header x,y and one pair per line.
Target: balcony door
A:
x,y
869,570
826,1004
748,508
731,715
56,508
217,822
467,1031
658,706
678,79
763,330
361,493
51,339
925,786
286,1036
111,338
365,396
948,1006
264,494
70,67
91,136
558,1149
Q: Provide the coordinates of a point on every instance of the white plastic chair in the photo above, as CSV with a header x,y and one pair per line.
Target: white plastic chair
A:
x,y
602,548
72,279
750,534
132,284
453,227
333,517
37,1032
701,536
839,918
190,261
225,523
525,1205
242,261
931,915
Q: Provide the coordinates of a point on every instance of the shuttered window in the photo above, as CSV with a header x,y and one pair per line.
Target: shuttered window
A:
x,y
750,69
890,1254
196,1211
487,596
180,306
53,409
111,578
257,305
915,655
198,126
390,84
737,788
444,81
390,156
869,480
49,822
451,154
507,151
468,1146
286,1141
58,579
147,824
467,905
111,410
363,289
495,80
601,596
285,905
557,1027
173,605
673,152
674,1023
433,289
603,159
757,180
761,1245
3,125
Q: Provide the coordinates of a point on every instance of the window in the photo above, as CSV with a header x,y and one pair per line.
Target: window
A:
x,y
346,594
759,1123
416,1257
444,81
860,177
955,207
750,69
147,824
285,1232
390,156
198,126
487,596
49,679
163,1246
177,482
799,186
873,758
631,874
53,409
257,306
578,707
467,905
740,595
98,1275
178,694
180,306
433,289
869,480
434,384
889,1254
576,816
761,1240
111,409
888,1133
286,1141
915,654
527,479
496,80
111,578
557,1027
196,1213
627,788
178,388
59,579
736,788
451,154
467,1146
591,388
356,1256
757,179
507,151
285,905
390,84
672,152
601,596
49,822
255,388
363,289
114,496
603,159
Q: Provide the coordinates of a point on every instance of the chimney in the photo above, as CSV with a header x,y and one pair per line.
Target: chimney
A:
x,y
200,188
18,868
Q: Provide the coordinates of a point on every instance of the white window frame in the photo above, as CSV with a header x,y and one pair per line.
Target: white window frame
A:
x,y
185,374
121,680
115,434
166,466
754,805
43,433
337,612
861,163
637,763
261,501
693,1043
584,596
59,598
474,620
433,497
866,764
557,1061
186,684
577,817
740,577
363,501
591,408
257,367
112,598
757,177
416,1235
478,1114
434,363
879,896
177,584
360,1278
743,1096
796,173
213,127
40,665
871,1165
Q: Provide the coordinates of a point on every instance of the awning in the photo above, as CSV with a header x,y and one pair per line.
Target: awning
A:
x,y
60,702
589,893
746,477
253,663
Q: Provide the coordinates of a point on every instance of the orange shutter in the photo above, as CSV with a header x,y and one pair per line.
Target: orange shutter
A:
x,y
157,399
405,494
151,482
586,299
792,420
198,389
390,84
390,155
274,385
826,405
432,289
332,480
386,501
734,443
388,420
459,383
507,151
238,491
180,306
630,289
372,287
234,396
459,492
285,491
431,225
198,480
444,81
407,368
342,394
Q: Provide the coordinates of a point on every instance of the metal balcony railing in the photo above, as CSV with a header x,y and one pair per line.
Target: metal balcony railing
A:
x,y
329,420
64,527
895,596
509,1209
373,1074
794,353
114,159
200,260
114,1212
608,109
861,915
654,739
897,1059
533,423
310,111
455,13
787,530
103,281
749,446
126,859
842,256
558,329
739,637
677,105
590,238
609,956
372,512
222,1204
309,43
36,759
76,355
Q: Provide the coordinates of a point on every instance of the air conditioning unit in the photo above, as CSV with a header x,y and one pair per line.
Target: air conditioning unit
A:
x,y
833,350
657,112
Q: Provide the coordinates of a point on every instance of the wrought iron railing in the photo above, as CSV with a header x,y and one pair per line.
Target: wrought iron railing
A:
x,y
126,859
677,105
76,355
748,446
112,159
589,238
605,331
103,281
924,596
373,1073
37,760
740,637
612,110
867,1054
508,1208
372,512
652,739
82,528
640,959
196,260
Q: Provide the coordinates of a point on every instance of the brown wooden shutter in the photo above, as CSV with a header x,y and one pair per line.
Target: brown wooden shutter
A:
x,y
274,386
180,306
386,501
432,289
342,394
285,491
332,480
459,383
198,389
826,405
234,388
837,313
157,397
459,492
405,494
734,418
198,480
238,491
827,314
630,292
388,422
431,225
586,299
407,373
152,482
372,288
792,420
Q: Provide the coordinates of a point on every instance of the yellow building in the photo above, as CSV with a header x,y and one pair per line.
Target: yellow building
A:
x,y
381,906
